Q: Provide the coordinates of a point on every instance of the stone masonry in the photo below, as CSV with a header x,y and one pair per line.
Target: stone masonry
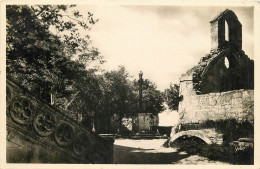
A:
x,y
237,104
221,85
37,132
218,40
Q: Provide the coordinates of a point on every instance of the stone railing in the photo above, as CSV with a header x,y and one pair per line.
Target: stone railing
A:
x,y
37,132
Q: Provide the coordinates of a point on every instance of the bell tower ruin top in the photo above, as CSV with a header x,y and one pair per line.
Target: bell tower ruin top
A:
x,y
210,89
226,31
226,67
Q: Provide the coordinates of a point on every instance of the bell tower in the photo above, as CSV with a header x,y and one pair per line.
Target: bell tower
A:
x,y
226,31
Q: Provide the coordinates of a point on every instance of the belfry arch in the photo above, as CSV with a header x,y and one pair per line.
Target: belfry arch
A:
x,y
226,21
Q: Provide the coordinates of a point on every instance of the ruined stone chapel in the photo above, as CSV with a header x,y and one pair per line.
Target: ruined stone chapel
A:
x,y
221,85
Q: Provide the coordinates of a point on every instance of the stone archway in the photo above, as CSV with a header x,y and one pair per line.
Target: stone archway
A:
x,y
217,77
192,133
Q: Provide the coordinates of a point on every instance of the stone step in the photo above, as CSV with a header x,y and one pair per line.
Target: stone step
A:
x,y
136,136
149,137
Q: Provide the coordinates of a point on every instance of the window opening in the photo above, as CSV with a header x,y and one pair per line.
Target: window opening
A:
x,y
226,62
226,31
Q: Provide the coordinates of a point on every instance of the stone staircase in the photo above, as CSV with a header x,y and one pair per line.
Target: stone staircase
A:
x,y
38,132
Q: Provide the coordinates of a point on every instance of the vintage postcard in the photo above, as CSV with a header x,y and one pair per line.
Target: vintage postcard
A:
x,y
113,84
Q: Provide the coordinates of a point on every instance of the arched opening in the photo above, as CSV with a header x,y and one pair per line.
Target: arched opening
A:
x,y
233,31
226,72
226,62
226,31
189,144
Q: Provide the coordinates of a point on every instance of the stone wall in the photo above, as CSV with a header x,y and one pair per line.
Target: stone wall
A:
x,y
40,133
237,104
220,71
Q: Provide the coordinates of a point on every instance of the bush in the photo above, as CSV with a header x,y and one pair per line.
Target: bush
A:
x,y
231,129
224,153
192,145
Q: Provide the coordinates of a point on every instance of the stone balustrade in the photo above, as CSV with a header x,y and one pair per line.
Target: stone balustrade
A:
x,y
37,132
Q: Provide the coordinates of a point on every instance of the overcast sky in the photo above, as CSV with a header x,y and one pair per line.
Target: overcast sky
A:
x,y
162,41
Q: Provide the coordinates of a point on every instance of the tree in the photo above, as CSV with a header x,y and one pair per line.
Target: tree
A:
x,y
119,97
171,96
152,98
41,60
47,55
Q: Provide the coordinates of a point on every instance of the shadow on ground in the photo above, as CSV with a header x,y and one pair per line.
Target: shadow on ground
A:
x,y
130,155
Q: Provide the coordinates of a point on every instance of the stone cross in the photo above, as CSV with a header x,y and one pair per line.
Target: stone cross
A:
x,y
140,91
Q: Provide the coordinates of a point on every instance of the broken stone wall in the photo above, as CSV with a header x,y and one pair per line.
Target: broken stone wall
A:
x,y
229,20
237,104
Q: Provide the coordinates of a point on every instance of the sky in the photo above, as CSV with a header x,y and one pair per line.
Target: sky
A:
x,y
161,41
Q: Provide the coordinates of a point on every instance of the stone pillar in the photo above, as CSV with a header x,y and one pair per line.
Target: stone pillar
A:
x,y
140,92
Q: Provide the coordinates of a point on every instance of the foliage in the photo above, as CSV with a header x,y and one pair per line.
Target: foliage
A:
x,y
171,96
40,60
192,145
231,129
227,153
224,152
120,96
120,91
47,54
248,107
33,24
152,97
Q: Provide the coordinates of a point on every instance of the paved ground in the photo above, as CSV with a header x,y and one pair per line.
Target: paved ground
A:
x,y
128,151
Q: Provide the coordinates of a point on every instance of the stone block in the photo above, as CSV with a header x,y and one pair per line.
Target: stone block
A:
x,y
238,94
236,101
